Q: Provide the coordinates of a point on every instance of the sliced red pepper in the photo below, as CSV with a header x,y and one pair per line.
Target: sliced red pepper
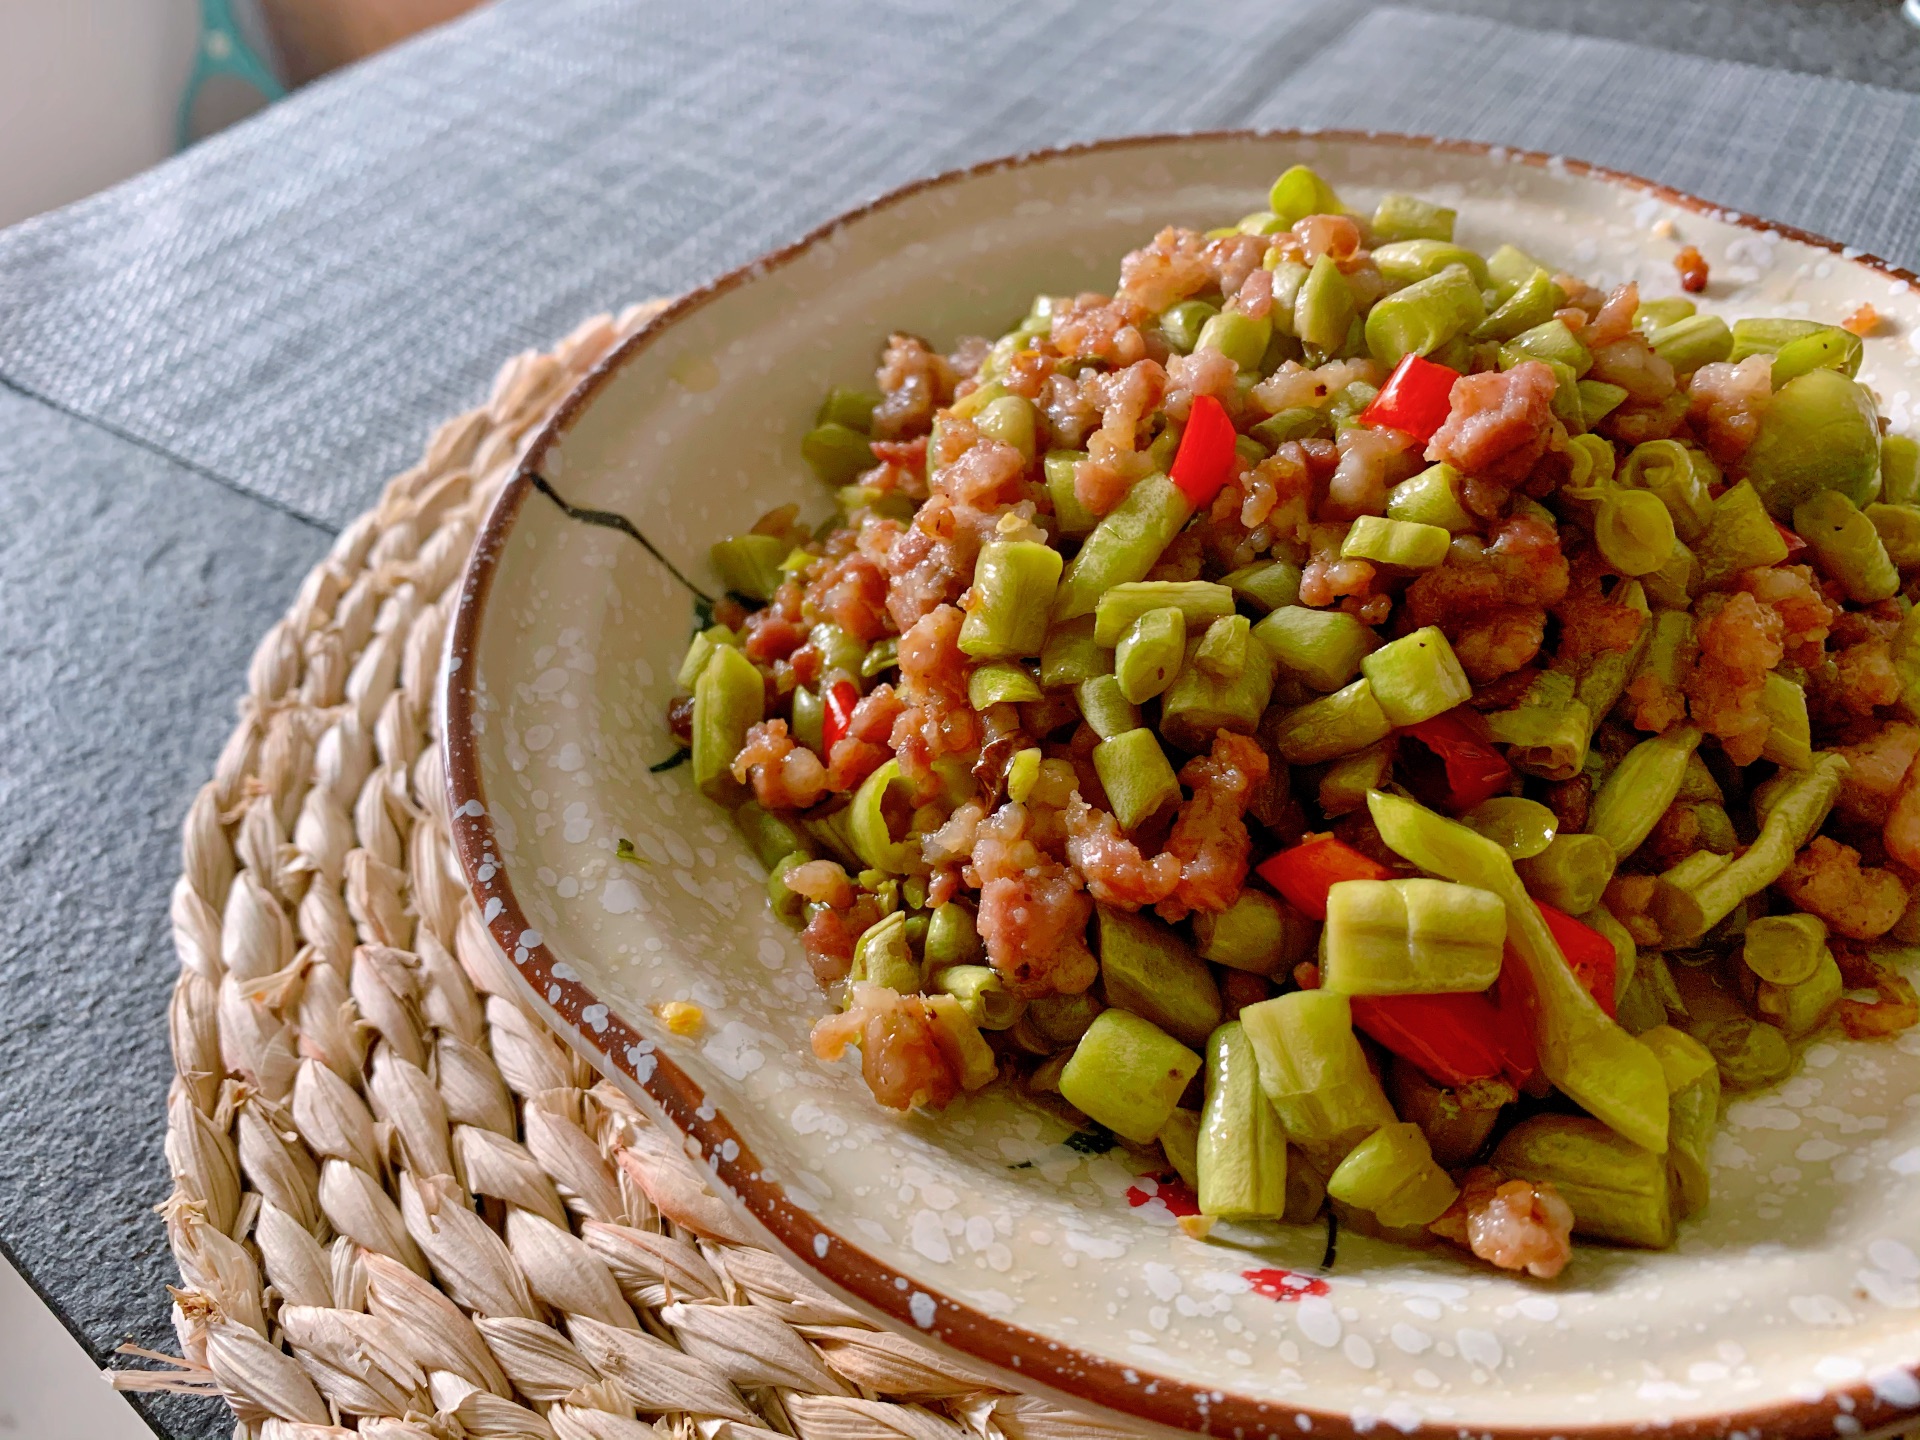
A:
x,y
1590,955
841,697
1453,1038
1793,542
1205,460
1307,871
1475,770
1415,399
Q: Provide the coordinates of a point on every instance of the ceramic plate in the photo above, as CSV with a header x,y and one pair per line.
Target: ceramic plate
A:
x,y
1791,1308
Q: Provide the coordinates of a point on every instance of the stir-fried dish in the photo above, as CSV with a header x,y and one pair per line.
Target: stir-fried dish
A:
x,y
1394,728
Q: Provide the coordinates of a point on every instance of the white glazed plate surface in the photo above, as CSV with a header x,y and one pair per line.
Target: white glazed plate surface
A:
x,y
1791,1307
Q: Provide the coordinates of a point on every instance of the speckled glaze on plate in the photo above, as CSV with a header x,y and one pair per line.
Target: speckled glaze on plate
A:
x,y
1792,1308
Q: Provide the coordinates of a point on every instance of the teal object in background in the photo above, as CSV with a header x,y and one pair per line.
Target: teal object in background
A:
x,y
222,50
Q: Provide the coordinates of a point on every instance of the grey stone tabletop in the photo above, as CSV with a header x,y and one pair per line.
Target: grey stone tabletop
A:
x,y
205,372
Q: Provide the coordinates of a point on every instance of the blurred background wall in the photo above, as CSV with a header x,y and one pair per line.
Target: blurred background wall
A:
x,y
90,89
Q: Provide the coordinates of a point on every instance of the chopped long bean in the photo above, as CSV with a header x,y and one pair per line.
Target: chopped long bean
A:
x,y
1013,587
1640,788
1847,546
1411,937
1145,967
1150,652
1313,1070
1416,677
1128,1074
1124,546
1242,1152
1134,772
1324,648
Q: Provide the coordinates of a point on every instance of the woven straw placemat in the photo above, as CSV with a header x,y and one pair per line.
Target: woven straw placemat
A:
x,y
401,1207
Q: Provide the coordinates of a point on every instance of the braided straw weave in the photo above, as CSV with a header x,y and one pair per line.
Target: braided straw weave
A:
x,y
401,1208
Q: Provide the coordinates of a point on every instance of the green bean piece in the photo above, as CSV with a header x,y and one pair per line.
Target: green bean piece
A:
x,y
1127,1074
1322,647
1508,268
1634,531
1325,307
1199,601
1392,1173
1695,870
1790,741
832,834
1314,1072
1799,807
1421,317
1001,683
1640,1007
1625,955
1198,705
1060,1020
1671,648
1616,1189
1071,654
1124,546
1847,546
1134,772
1416,677
972,403
1306,1188
1694,1115
1598,399
1690,343
700,651
981,993
1819,432
1637,793
1242,1153
952,938
1522,828
1405,544
1240,338
788,908
1222,651
879,810
1740,536
1554,342
1146,968
1266,585
1571,873
1750,1053
1164,447
1652,314
1257,933
1408,262
841,655
1672,586
1590,1058
767,835
858,500
1547,733
1343,789
1411,937
809,719
880,657
1179,1139
729,699
750,564
883,957
1150,653
1905,654
1828,348
1408,217
836,452
1300,192
1070,516
1899,530
1798,1009
1785,949
1531,303
1900,470
847,407
1766,336
1298,422
1105,707
1180,323
1009,420
1350,719
1431,498
1455,1123
1014,583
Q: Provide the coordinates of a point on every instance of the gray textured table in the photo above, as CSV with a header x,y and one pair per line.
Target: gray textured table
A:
x,y
207,371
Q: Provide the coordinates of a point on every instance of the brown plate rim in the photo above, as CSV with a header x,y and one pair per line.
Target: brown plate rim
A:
x,y
1031,1360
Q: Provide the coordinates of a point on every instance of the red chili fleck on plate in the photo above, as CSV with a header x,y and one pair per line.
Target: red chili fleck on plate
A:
x,y
1284,1285
1692,266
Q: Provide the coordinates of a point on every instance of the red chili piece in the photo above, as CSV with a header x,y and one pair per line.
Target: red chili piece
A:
x,y
1475,771
1453,1038
1307,871
841,697
1793,542
1590,955
1415,399
1205,460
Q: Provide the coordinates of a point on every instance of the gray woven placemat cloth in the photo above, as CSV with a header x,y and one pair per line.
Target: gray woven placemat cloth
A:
x,y
1837,158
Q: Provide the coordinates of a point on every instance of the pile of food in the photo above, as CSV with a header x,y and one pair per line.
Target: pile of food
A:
x,y
1393,727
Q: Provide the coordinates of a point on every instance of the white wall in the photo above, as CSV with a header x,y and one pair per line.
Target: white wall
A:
x,y
88,93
